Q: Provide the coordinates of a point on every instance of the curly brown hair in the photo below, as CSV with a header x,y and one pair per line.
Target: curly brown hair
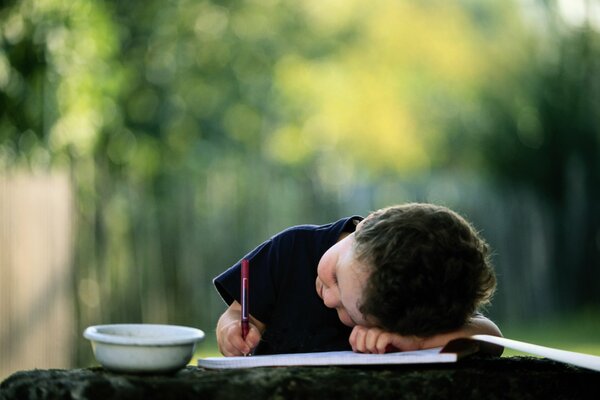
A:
x,y
430,271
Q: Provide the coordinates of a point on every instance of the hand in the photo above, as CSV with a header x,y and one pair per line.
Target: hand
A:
x,y
230,339
377,341
229,332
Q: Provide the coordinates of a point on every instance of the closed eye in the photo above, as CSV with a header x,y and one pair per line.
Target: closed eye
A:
x,y
334,279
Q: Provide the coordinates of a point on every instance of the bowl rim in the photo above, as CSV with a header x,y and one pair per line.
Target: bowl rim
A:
x,y
185,335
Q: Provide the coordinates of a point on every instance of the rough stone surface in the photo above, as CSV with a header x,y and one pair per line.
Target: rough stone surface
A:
x,y
476,378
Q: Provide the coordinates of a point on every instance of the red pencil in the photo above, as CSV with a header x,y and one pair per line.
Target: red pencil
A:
x,y
245,288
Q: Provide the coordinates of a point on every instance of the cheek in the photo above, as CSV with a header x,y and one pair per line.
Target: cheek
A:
x,y
324,269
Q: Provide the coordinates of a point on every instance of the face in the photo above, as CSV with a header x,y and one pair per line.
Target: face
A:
x,y
341,280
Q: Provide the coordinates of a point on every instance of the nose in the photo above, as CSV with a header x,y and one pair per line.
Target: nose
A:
x,y
330,297
319,287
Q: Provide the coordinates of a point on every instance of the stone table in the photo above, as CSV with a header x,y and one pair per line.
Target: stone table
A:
x,y
473,378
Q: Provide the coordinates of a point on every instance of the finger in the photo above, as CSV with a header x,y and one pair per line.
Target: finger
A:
x,y
371,340
361,334
234,344
383,342
252,339
225,346
236,347
355,335
228,349
352,338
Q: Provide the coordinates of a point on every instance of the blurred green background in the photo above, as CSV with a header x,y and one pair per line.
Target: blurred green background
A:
x,y
188,131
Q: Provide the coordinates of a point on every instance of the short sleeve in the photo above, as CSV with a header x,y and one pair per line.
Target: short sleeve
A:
x,y
263,262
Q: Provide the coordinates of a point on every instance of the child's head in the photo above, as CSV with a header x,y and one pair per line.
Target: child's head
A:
x,y
429,270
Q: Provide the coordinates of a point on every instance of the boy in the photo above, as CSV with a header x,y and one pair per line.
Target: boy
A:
x,y
406,277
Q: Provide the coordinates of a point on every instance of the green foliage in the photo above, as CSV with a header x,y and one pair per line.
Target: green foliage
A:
x,y
550,119
539,129
247,76
58,82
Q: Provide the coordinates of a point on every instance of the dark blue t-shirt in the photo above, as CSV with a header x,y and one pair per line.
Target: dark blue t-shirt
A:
x,y
283,271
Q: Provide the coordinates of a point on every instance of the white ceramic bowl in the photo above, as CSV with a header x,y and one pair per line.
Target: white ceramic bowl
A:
x,y
143,348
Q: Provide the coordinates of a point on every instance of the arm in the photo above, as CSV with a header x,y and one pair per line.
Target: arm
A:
x,y
477,325
376,340
229,332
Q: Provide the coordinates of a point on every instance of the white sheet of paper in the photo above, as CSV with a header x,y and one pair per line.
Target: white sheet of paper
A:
x,y
329,358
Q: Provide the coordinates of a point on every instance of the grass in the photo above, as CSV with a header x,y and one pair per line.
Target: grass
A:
x,y
578,332
206,348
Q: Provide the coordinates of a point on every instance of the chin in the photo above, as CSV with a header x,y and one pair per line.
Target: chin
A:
x,y
345,320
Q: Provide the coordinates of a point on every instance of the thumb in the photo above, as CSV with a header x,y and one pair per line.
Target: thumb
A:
x,y
253,337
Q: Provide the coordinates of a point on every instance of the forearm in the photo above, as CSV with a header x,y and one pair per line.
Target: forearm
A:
x,y
478,325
